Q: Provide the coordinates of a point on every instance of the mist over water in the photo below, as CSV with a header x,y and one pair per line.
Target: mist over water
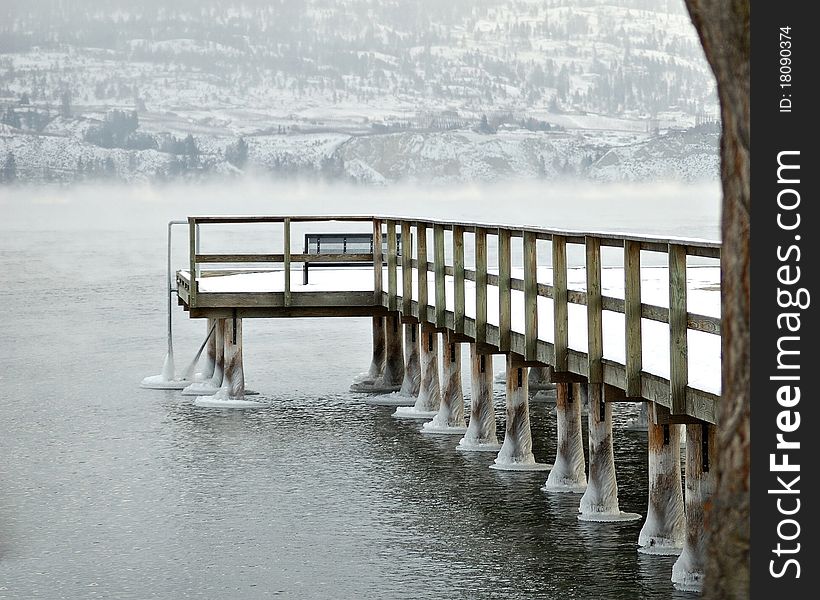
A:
x,y
659,208
110,491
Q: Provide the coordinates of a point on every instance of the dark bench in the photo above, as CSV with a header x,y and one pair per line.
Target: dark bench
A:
x,y
323,244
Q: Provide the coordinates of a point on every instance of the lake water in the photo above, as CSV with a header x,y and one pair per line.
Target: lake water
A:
x,y
111,491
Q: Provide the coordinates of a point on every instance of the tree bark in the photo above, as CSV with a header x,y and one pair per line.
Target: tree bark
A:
x,y
723,27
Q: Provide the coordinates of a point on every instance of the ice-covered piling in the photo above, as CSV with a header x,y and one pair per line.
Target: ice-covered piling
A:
x,y
481,433
412,363
379,350
233,379
210,353
450,416
364,381
393,373
600,500
209,380
219,356
427,404
568,474
387,366
516,451
663,531
687,572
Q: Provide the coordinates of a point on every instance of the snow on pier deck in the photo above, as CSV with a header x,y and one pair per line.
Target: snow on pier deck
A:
x,y
674,345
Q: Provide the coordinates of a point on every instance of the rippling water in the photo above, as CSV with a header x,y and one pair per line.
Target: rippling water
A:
x,y
110,491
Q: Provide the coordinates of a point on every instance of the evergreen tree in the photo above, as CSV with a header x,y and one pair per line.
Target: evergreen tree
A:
x,y
9,168
237,154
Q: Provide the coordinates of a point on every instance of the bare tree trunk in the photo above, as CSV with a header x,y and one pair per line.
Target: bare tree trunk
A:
x,y
723,26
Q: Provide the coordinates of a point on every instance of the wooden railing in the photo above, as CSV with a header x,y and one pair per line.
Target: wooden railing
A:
x,y
630,377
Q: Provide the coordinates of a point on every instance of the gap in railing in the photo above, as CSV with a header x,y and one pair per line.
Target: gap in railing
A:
x,y
655,278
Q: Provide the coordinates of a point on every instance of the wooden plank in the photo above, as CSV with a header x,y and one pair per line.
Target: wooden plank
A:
x,y
703,323
559,302
286,312
458,278
276,299
480,285
406,269
392,263
678,351
504,290
438,270
239,258
595,331
632,317
357,257
421,260
544,290
286,260
378,284
530,296
193,242
694,247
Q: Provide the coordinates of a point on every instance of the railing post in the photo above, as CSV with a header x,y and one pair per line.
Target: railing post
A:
x,y
678,349
595,332
458,278
193,242
559,302
504,290
438,261
632,317
392,275
406,269
378,284
421,260
480,285
286,260
530,296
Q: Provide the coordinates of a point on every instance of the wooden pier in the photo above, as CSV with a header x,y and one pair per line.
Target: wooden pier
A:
x,y
530,318
580,308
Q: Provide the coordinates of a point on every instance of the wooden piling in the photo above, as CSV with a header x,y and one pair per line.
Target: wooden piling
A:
x,y
450,416
568,473
481,433
379,349
430,389
233,381
516,451
412,362
600,500
688,570
663,530
210,352
394,355
219,353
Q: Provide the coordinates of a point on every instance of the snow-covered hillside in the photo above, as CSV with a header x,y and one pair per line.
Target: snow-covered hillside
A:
x,y
378,92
